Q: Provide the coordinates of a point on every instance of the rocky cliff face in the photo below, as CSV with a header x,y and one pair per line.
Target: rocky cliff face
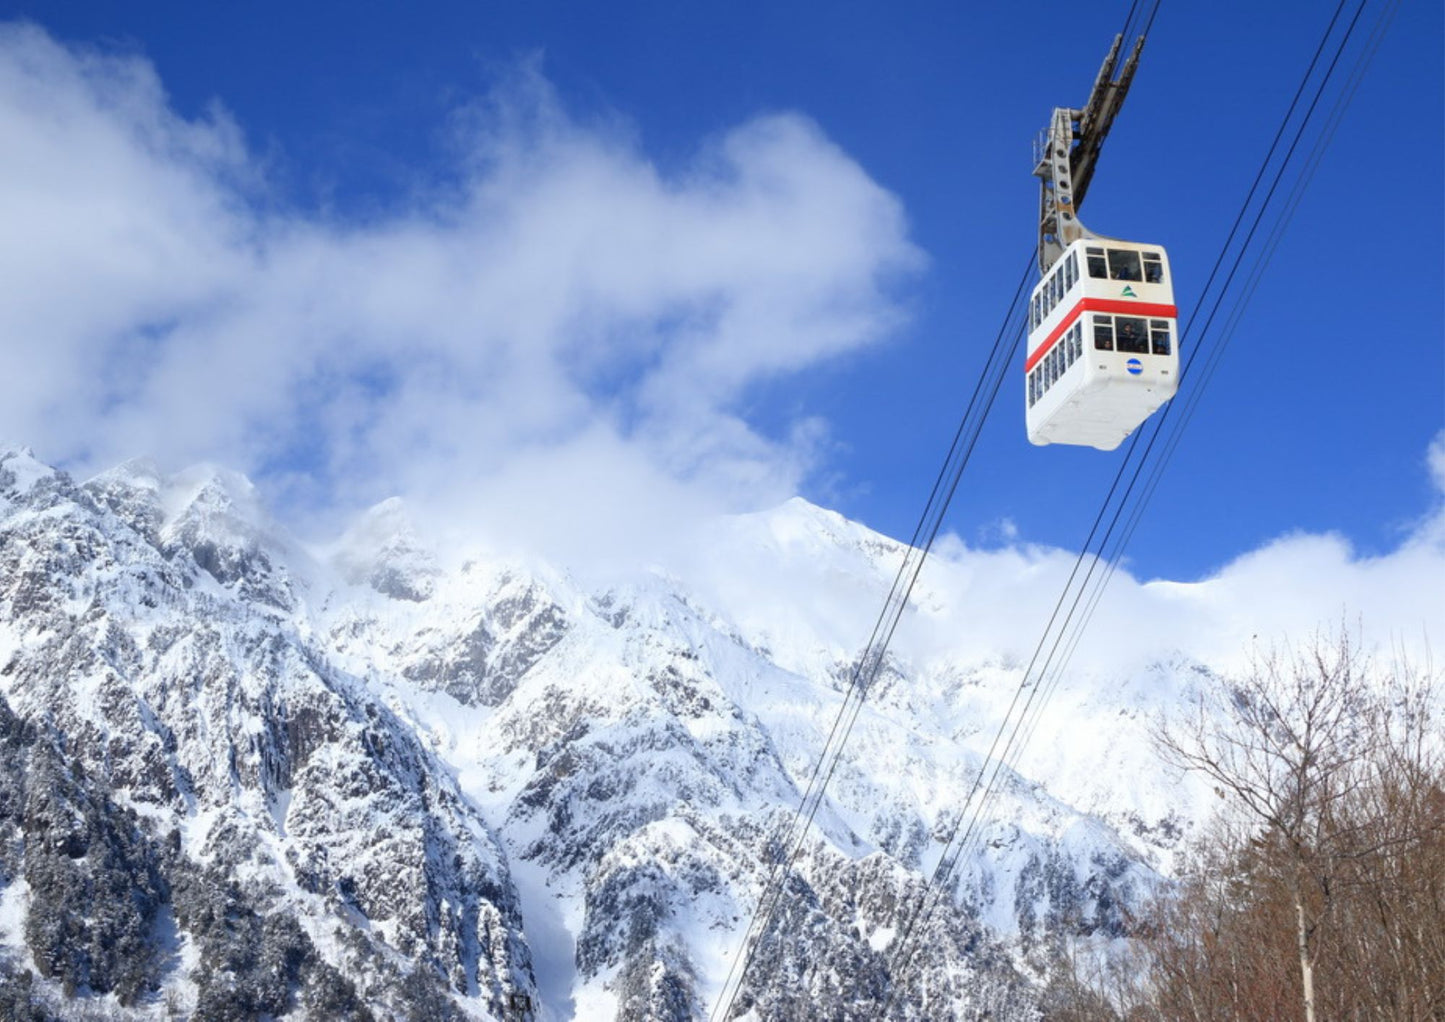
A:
x,y
157,656
242,780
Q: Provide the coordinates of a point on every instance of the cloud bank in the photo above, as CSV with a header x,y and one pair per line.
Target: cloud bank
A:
x,y
556,344
807,584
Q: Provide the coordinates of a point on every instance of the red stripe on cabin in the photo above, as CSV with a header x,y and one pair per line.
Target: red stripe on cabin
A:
x,y
1110,305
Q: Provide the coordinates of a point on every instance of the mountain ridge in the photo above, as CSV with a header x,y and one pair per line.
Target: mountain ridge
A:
x,y
497,789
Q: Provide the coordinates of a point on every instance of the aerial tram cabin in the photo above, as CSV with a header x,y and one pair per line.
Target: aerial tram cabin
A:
x,y
1103,350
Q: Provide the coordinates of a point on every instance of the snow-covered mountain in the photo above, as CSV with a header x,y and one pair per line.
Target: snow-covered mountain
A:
x,y
240,778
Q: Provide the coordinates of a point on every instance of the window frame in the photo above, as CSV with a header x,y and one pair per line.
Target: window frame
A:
x,y
1103,324
1139,342
1125,255
1161,328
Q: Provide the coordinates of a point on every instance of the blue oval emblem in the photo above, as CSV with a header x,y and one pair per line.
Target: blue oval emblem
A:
x,y
1134,366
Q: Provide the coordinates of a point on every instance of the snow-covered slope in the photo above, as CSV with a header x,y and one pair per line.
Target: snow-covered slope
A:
x,y
415,785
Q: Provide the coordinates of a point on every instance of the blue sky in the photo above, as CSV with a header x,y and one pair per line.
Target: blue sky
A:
x,y
370,124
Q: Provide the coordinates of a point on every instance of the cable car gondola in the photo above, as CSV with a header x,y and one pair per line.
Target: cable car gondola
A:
x,y
1102,354
1102,351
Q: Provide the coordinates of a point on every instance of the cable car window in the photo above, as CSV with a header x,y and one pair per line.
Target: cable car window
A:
x,y
1131,334
1124,265
1159,336
1073,268
1032,381
1076,347
1153,268
1097,266
1068,272
1104,333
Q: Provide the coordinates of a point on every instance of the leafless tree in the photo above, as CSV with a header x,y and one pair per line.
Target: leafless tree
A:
x,y
1331,777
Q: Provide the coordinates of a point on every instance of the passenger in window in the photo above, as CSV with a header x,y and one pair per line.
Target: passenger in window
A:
x,y
1124,265
1159,336
1103,333
1131,334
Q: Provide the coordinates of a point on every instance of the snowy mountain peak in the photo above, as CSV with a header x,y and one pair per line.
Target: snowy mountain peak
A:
x,y
138,473
19,471
801,526
207,491
214,516
382,550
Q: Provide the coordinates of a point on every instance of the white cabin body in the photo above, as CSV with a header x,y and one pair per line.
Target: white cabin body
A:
x,y
1103,351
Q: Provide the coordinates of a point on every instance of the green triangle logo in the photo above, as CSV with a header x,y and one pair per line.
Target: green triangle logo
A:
x,y
1129,292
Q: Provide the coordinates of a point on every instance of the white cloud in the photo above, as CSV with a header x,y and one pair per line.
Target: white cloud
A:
x,y
806,583
556,345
